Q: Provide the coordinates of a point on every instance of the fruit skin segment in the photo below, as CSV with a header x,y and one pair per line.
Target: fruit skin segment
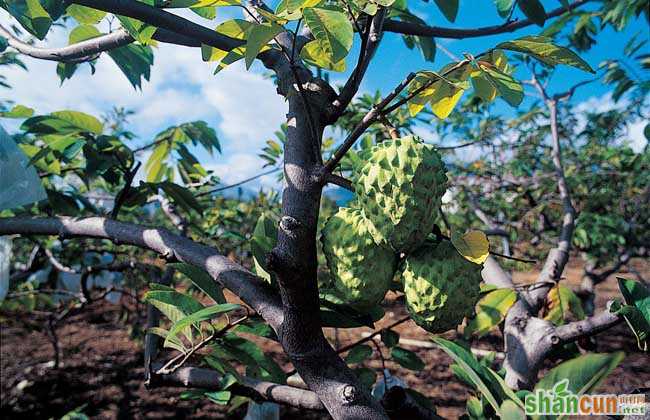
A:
x,y
362,270
441,287
399,189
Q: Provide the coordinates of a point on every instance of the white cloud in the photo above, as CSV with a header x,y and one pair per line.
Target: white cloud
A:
x,y
242,105
240,166
636,136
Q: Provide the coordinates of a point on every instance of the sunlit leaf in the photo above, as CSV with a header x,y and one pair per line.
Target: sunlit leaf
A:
x,y
258,37
543,49
332,31
490,311
473,245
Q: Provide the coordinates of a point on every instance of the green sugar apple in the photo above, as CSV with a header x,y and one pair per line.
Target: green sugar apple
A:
x,y
441,287
399,188
362,270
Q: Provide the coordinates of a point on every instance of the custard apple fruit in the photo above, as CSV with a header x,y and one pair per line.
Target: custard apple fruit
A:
x,y
399,188
441,286
362,270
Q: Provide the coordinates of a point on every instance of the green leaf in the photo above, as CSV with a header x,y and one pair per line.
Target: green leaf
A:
x,y
82,33
406,359
332,31
636,321
292,9
263,240
473,371
443,94
504,7
199,316
173,305
583,373
206,12
475,408
390,338
154,165
483,87
134,61
534,10
473,245
292,6
184,305
248,353
637,312
202,280
198,132
18,111
562,303
139,30
358,354
181,196
449,8
234,28
87,15
636,294
173,343
511,411
219,397
258,37
506,391
507,87
314,54
490,311
543,49
63,122
31,15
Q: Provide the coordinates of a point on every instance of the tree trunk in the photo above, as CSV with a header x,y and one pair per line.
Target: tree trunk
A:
x,y
294,260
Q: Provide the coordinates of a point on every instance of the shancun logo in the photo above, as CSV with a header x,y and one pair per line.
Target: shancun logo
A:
x,y
562,401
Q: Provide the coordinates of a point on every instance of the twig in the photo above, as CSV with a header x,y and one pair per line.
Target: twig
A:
x,y
509,257
373,335
383,360
237,184
340,181
366,121
183,357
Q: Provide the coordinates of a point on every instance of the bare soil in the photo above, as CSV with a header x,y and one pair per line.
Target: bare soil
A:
x,y
102,366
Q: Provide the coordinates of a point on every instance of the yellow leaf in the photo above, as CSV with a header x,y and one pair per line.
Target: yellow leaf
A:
x,y
445,99
473,245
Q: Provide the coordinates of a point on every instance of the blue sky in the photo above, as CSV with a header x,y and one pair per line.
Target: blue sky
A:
x,y
244,107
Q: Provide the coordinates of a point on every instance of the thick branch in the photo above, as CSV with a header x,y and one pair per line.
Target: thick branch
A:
x,y
586,327
558,256
340,181
81,51
368,49
90,48
260,391
410,28
251,289
163,19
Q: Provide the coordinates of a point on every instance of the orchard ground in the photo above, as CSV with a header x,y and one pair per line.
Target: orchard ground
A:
x,y
102,365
